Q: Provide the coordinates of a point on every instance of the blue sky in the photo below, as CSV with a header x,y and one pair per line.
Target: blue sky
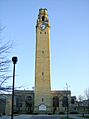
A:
x,y
69,21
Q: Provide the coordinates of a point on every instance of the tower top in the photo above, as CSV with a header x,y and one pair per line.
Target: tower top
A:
x,y
43,17
43,11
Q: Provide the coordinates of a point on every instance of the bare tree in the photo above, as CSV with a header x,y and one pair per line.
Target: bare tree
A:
x,y
87,97
81,106
80,98
4,63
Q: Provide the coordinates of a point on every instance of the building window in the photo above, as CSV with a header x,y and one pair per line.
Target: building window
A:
x,y
42,73
72,101
65,101
55,101
19,101
42,51
42,99
29,103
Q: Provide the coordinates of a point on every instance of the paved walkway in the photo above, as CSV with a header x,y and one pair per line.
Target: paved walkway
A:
x,y
42,117
75,116
32,117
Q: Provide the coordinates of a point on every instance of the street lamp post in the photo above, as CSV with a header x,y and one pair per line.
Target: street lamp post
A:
x,y
14,60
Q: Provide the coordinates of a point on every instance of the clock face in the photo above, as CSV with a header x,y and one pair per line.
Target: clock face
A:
x,y
43,26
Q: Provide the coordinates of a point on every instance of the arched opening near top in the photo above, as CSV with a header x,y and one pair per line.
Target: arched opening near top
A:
x,y
43,18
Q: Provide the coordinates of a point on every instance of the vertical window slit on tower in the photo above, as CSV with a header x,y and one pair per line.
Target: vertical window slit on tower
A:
x,y
42,51
42,73
42,99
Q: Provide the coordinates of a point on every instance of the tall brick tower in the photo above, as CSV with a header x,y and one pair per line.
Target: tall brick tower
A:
x,y
42,93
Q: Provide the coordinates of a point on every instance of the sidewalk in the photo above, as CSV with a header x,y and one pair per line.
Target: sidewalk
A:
x,y
24,116
17,117
75,116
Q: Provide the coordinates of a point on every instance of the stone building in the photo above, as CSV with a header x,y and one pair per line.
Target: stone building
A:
x,y
24,102
42,99
2,104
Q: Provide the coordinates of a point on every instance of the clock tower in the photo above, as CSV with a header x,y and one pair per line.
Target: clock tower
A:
x,y
42,92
